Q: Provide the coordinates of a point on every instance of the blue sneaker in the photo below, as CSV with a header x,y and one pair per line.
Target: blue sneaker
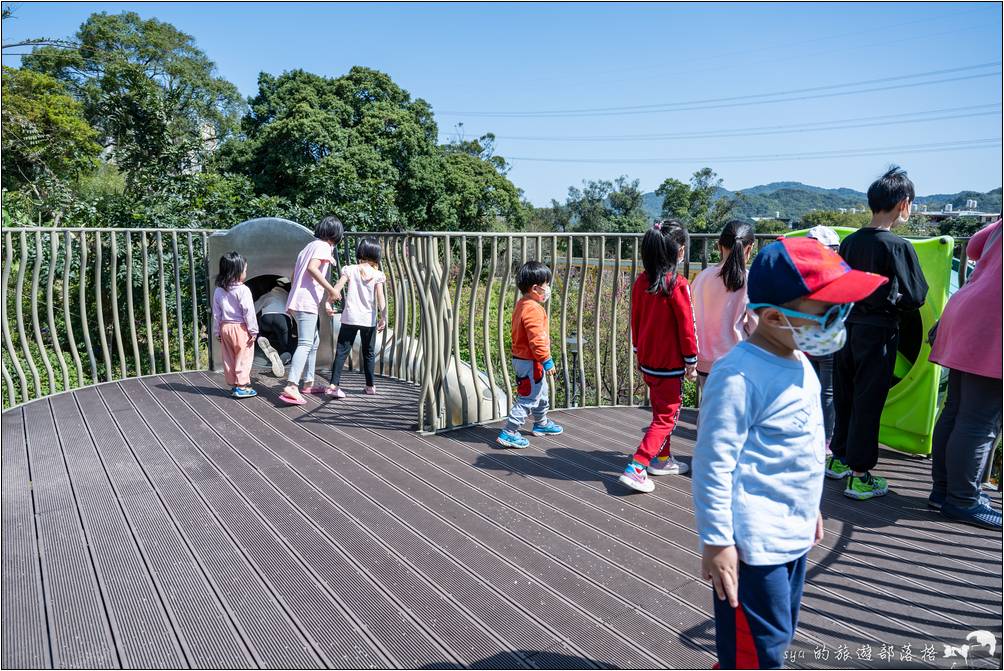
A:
x,y
937,499
981,515
548,428
241,392
511,439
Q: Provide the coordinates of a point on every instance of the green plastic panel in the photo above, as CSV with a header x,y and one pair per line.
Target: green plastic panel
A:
x,y
912,406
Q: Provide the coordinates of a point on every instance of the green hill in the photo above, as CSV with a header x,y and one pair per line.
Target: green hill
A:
x,y
794,199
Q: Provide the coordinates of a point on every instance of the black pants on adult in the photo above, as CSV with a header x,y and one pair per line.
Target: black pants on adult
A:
x,y
346,338
964,436
862,373
275,327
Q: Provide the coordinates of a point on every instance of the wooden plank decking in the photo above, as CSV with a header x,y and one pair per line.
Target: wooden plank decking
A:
x,y
157,523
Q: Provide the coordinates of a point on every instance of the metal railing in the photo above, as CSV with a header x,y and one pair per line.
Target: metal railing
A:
x,y
83,306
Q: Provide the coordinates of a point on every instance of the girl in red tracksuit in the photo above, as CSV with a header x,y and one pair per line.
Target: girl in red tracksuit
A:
x,y
663,335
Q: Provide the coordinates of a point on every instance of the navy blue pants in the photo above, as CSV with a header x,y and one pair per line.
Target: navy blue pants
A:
x,y
757,633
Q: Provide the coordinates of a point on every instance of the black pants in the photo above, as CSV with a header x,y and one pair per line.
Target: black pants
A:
x,y
862,373
346,337
964,436
275,327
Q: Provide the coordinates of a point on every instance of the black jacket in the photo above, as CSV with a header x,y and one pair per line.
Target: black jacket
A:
x,y
878,251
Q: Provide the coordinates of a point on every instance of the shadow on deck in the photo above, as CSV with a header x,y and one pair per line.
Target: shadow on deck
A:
x,y
157,523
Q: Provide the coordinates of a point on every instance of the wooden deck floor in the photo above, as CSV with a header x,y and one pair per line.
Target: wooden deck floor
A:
x,y
157,523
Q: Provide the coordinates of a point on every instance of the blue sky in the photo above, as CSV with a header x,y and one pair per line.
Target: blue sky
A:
x,y
527,71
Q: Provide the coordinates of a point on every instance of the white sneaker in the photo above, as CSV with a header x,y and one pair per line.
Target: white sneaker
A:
x,y
278,369
666,466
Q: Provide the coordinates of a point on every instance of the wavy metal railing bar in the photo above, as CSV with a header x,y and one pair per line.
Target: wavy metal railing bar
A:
x,y
70,338
502,322
144,247
615,399
36,328
177,297
8,341
486,332
53,334
19,296
116,317
163,303
129,304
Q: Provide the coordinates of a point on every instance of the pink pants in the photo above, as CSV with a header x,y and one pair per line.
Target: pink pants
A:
x,y
238,353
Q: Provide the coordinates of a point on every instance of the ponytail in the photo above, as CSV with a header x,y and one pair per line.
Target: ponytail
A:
x,y
735,237
660,249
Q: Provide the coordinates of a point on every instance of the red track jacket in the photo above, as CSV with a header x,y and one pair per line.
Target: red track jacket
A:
x,y
662,328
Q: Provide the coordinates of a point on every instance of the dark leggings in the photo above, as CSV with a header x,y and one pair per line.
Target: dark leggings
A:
x,y
346,338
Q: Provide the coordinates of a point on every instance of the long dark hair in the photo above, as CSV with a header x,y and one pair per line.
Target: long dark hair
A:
x,y
232,265
735,237
660,250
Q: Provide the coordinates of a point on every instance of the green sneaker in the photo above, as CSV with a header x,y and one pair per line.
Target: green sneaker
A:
x,y
865,486
836,469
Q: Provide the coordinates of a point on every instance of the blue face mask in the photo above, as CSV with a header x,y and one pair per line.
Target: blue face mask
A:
x,y
826,336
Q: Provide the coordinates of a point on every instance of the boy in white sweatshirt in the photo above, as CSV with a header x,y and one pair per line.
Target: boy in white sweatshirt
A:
x,y
759,460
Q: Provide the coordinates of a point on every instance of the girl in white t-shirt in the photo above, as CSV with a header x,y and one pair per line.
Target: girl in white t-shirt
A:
x,y
363,311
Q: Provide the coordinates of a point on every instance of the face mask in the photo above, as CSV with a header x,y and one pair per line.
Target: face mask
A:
x,y
902,219
819,341
545,294
826,336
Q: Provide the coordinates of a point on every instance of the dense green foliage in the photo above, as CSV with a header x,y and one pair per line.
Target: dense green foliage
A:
x,y
179,147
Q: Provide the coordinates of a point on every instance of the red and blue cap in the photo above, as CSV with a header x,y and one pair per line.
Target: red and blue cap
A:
x,y
793,268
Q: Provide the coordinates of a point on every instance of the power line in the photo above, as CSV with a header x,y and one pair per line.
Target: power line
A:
x,y
958,145
837,124
815,39
716,103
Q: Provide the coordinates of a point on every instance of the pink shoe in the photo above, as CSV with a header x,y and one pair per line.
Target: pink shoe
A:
x,y
291,400
371,391
336,392
314,389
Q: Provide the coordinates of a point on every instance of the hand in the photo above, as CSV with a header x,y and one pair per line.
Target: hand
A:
x,y
381,324
690,372
553,371
330,310
251,341
334,295
819,529
720,565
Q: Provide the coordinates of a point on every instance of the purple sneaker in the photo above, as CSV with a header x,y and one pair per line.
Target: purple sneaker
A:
x,y
636,477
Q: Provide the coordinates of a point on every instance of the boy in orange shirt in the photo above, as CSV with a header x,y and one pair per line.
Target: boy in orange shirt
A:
x,y
531,356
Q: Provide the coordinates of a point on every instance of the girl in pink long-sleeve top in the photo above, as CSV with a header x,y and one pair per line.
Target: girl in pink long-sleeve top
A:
x,y
234,323
723,320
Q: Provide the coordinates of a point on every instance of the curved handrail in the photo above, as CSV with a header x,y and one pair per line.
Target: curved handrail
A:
x,y
130,302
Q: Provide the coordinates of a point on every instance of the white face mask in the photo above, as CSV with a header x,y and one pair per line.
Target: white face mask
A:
x,y
817,340
545,294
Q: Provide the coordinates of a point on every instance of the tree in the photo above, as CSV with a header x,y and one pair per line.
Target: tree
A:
x,y
604,206
835,219
151,93
47,142
675,199
360,146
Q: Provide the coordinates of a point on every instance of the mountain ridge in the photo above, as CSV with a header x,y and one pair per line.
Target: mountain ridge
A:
x,y
795,199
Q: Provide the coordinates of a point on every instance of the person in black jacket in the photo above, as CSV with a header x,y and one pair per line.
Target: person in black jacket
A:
x,y
863,369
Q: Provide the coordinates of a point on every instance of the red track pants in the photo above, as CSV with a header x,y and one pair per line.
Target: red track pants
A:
x,y
666,395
